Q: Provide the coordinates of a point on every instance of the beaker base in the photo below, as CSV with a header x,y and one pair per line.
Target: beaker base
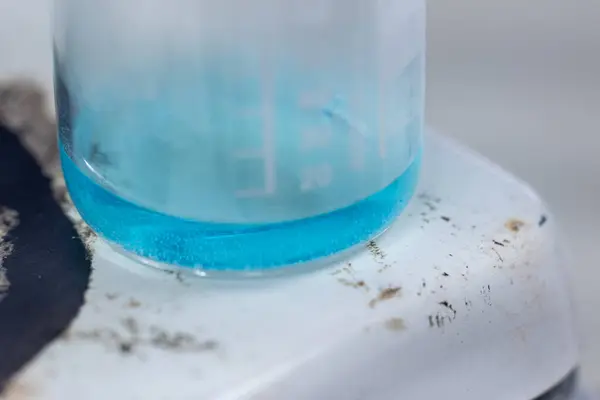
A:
x,y
172,243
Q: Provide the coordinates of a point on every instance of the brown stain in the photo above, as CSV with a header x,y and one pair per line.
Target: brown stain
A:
x,y
514,225
395,324
384,295
352,281
18,391
354,284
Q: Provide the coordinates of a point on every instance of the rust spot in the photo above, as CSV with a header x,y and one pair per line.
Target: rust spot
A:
x,y
395,324
384,295
514,225
354,284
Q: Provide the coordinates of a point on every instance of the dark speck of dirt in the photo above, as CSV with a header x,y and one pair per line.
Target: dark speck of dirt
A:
x,y
514,225
543,220
111,296
134,339
428,197
375,251
438,320
180,342
430,206
385,294
447,219
97,156
506,241
125,348
448,306
131,325
497,243
179,277
446,274
133,303
498,255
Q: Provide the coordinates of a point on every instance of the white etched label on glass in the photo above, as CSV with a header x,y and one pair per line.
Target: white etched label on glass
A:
x,y
315,177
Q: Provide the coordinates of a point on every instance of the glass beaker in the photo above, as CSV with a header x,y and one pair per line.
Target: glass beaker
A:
x,y
239,135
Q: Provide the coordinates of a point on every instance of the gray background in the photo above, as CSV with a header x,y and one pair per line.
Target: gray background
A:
x,y
519,80
515,79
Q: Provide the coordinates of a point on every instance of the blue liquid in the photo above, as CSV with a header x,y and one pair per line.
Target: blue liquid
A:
x,y
174,177
234,247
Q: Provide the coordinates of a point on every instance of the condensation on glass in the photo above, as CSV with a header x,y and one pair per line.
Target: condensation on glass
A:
x,y
239,135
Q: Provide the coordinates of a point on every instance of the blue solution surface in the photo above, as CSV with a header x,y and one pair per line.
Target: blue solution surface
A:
x,y
233,247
